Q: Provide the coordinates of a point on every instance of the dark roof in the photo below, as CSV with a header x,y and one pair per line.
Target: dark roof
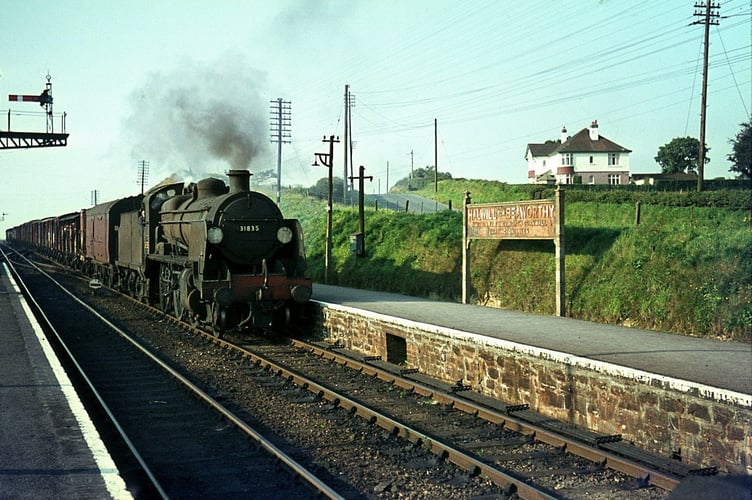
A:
x,y
581,143
544,149
578,143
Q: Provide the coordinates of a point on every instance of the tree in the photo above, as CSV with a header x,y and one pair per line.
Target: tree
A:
x,y
420,178
741,152
321,189
265,178
680,155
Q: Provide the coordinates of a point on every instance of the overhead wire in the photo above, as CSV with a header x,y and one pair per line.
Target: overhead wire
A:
x,y
410,108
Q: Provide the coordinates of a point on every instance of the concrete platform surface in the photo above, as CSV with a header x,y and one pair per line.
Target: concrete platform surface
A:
x,y
48,446
713,363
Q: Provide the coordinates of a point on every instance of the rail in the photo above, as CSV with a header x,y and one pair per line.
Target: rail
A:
x,y
300,471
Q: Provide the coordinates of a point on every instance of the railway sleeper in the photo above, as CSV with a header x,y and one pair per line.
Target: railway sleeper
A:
x,y
522,412
514,441
670,465
532,456
561,472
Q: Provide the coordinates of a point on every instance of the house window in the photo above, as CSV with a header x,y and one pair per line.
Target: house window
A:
x,y
567,179
613,159
614,179
566,159
591,179
591,160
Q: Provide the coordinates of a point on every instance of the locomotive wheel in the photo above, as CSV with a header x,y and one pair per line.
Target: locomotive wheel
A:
x,y
178,305
140,290
219,321
165,302
165,291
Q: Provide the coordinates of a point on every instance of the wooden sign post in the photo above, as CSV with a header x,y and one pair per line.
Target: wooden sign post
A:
x,y
519,220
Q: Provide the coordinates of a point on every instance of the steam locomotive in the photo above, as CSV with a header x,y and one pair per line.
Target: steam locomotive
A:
x,y
219,256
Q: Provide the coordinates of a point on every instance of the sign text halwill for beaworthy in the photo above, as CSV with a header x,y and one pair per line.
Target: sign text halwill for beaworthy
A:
x,y
519,219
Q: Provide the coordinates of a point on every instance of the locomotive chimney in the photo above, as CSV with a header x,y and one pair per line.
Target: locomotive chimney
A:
x,y
240,180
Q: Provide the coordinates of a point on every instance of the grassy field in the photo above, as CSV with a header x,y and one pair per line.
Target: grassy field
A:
x,y
683,269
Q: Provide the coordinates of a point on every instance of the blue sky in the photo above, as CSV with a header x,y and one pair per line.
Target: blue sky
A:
x,y
163,80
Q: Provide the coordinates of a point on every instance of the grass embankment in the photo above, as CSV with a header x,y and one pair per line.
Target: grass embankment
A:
x,y
683,269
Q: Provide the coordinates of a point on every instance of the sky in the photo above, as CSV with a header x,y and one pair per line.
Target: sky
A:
x,y
188,86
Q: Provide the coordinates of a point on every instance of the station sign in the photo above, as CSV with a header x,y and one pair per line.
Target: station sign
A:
x,y
520,220
512,220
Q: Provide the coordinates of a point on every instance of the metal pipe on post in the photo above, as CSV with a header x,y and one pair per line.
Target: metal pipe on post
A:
x,y
361,249
465,250
560,253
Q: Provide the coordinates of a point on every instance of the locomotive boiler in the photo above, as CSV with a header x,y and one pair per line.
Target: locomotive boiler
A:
x,y
227,257
219,256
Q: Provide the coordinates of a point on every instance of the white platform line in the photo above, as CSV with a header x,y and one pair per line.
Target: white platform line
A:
x,y
107,468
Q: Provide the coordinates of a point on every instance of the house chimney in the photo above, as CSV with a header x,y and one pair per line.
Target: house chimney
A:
x,y
563,134
594,130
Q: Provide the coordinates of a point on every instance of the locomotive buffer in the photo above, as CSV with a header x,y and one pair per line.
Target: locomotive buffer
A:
x,y
25,140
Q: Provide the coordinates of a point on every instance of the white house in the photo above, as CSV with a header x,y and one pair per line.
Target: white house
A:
x,y
587,155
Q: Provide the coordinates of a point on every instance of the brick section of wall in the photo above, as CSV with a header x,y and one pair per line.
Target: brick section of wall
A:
x,y
708,431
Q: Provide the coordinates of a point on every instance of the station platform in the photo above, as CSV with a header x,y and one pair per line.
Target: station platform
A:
x,y
48,446
703,364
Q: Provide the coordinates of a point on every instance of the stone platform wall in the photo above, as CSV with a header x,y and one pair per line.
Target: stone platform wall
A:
x,y
708,426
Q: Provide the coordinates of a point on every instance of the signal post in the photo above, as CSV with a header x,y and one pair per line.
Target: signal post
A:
x,y
327,160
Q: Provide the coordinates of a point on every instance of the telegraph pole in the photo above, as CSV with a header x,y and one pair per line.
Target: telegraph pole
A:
x,y
347,145
387,179
280,123
143,173
327,160
435,156
412,170
708,17
361,250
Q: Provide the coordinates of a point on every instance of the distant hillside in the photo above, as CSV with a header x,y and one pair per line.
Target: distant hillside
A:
x,y
684,269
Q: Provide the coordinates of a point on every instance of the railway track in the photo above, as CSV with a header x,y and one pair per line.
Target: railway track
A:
x,y
440,424
520,457
169,437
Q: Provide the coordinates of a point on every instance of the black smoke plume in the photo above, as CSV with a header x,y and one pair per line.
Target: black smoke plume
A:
x,y
195,119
